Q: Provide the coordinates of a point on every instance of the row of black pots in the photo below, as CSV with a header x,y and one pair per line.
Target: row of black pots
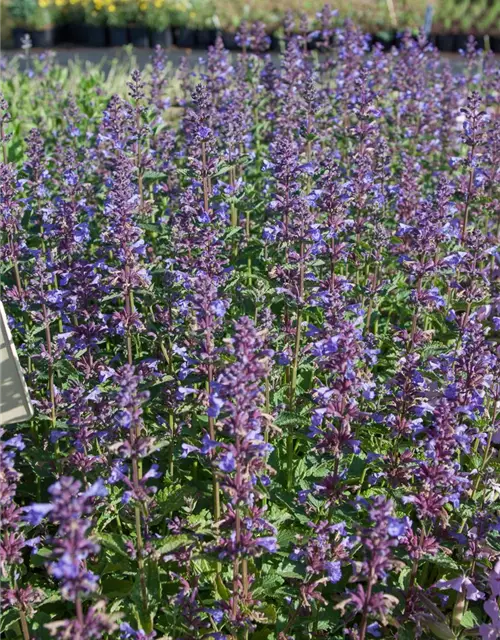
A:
x,y
447,43
94,36
41,39
189,38
186,38
458,42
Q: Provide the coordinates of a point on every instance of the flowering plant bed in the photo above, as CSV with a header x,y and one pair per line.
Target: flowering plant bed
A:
x,y
258,313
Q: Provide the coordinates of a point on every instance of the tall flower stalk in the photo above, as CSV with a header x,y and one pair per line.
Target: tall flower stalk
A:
x,y
242,462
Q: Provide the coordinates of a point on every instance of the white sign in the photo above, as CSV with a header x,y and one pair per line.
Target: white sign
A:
x,y
15,405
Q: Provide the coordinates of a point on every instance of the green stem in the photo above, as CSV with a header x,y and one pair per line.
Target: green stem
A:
x,y
171,448
79,611
48,343
293,388
24,624
211,430
364,619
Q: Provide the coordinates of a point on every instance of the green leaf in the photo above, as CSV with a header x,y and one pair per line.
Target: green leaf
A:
x,y
113,542
171,543
406,633
222,590
233,232
263,634
403,578
285,537
290,572
153,591
469,620
270,612
147,226
39,558
269,583
153,582
8,620
116,587
154,175
442,560
172,500
290,418
440,629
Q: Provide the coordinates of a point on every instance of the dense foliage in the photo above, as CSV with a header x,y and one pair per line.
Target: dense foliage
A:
x,y
227,15
377,16
258,309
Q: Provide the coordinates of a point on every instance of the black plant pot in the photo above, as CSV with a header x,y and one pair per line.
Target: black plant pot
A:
x,y
184,37
386,40
229,40
432,39
313,42
460,42
95,36
445,42
117,36
275,43
76,33
495,44
205,37
18,34
43,39
138,36
161,38
61,34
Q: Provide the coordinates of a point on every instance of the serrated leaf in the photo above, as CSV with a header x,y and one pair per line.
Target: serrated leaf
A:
x,y
268,583
290,418
172,500
153,582
290,572
154,175
403,578
270,612
285,537
442,560
172,543
113,542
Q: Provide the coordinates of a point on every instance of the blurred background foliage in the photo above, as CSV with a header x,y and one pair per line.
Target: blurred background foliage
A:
x,y
454,16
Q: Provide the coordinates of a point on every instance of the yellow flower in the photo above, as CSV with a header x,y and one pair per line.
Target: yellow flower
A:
x,y
112,8
158,3
43,4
